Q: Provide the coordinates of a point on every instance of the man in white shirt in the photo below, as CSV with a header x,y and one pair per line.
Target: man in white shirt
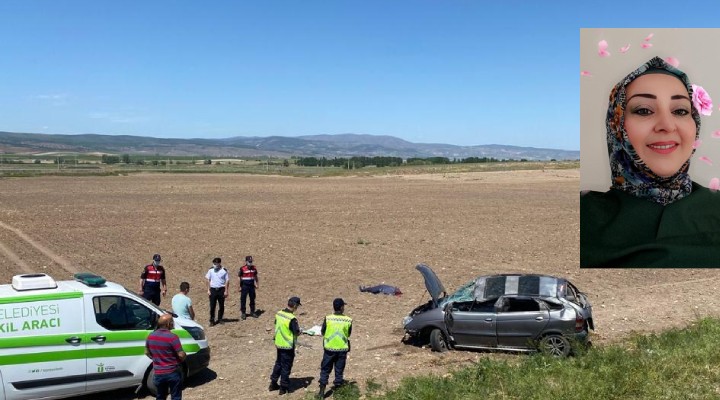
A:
x,y
182,304
218,281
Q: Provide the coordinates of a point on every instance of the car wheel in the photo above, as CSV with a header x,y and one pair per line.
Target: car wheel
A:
x,y
555,345
150,381
438,341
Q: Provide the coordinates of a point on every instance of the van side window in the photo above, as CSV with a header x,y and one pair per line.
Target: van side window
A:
x,y
118,313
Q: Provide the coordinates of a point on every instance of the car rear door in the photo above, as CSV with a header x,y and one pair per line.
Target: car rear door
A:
x,y
472,324
520,320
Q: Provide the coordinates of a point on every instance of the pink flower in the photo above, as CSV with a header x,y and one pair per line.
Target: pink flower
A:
x,y
716,134
602,48
714,184
706,160
646,45
697,144
585,73
701,100
673,61
647,39
624,49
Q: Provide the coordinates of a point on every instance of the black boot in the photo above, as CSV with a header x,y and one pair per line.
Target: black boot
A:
x,y
321,393
273,386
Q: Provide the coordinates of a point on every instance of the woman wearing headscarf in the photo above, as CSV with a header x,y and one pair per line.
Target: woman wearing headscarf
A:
x,y
654,215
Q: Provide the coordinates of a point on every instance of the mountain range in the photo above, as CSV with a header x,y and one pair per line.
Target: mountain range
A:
x,y
341,145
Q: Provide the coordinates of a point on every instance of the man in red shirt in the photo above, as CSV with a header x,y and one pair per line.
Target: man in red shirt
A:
x,y
164,347
248,283
152,281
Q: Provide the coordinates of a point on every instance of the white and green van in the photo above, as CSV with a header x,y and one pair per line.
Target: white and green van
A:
x,y
66,338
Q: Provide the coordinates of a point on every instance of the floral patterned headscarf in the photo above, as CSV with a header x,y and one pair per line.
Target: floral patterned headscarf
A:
x,y
629,172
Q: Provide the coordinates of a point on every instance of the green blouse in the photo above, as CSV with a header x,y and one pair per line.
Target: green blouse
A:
x,y
621,230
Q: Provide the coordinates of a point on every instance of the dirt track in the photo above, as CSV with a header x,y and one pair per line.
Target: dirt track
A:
x,y
321,238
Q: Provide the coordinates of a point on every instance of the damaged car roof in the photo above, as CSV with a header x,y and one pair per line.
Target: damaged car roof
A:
x,y
493,286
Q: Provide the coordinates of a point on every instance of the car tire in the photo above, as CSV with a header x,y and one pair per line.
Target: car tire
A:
x,y
555,345
438,342
150,382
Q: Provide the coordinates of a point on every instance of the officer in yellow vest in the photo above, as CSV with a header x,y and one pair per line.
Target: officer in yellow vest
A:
x,y
287,330
336,330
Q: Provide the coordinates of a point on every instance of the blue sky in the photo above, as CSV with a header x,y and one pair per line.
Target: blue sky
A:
x,y
458,72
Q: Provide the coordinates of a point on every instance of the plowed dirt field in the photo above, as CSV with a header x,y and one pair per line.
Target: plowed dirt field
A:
x,y
320,238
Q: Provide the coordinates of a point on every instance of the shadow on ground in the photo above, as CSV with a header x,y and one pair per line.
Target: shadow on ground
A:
x,y
201,378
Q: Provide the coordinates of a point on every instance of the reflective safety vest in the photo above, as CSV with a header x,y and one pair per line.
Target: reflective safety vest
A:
x,y
284,337
337,332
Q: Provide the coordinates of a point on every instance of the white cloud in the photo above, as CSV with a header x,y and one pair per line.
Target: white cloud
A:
x,y
57,96
54,99
99,115
117,118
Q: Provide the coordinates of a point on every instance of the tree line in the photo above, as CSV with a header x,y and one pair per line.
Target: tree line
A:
x,y
359,162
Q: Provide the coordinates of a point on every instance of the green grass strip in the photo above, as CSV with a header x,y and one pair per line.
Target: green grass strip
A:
x,y
675,364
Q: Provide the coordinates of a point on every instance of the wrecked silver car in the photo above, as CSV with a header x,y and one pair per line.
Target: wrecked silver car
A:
x,y
515,312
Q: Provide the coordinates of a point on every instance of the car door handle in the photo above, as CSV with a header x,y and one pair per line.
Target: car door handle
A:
x,y
539,318
73,340
98,339
488,319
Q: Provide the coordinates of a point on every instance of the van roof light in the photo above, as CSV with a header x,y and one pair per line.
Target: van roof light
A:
x,y
33,282
89,279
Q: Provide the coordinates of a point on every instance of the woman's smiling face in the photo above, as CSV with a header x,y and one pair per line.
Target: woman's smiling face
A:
x,y
659,123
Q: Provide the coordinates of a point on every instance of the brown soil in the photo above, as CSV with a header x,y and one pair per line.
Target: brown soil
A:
x,y
320,238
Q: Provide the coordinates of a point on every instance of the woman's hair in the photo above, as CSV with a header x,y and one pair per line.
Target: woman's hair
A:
x,y
629,173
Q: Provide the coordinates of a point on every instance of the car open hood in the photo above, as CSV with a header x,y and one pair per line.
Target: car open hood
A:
x,y
432,283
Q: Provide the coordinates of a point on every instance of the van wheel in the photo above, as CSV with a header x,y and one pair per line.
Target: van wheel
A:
x,y
555,345
150,382
438,341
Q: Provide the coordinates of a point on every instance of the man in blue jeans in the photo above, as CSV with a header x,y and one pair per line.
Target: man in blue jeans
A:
x,y
167,354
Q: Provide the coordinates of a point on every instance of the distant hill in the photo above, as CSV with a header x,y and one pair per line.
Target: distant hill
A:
x,y
343,145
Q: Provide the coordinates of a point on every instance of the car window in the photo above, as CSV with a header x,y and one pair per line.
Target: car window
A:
x,y
571,294
462,306
118,313
529,285
495,287
484,306
512,304
552,306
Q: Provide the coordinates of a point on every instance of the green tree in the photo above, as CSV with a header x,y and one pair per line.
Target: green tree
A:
x,y
108,159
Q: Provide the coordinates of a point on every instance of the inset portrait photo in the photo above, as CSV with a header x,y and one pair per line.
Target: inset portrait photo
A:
x,y
649,148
